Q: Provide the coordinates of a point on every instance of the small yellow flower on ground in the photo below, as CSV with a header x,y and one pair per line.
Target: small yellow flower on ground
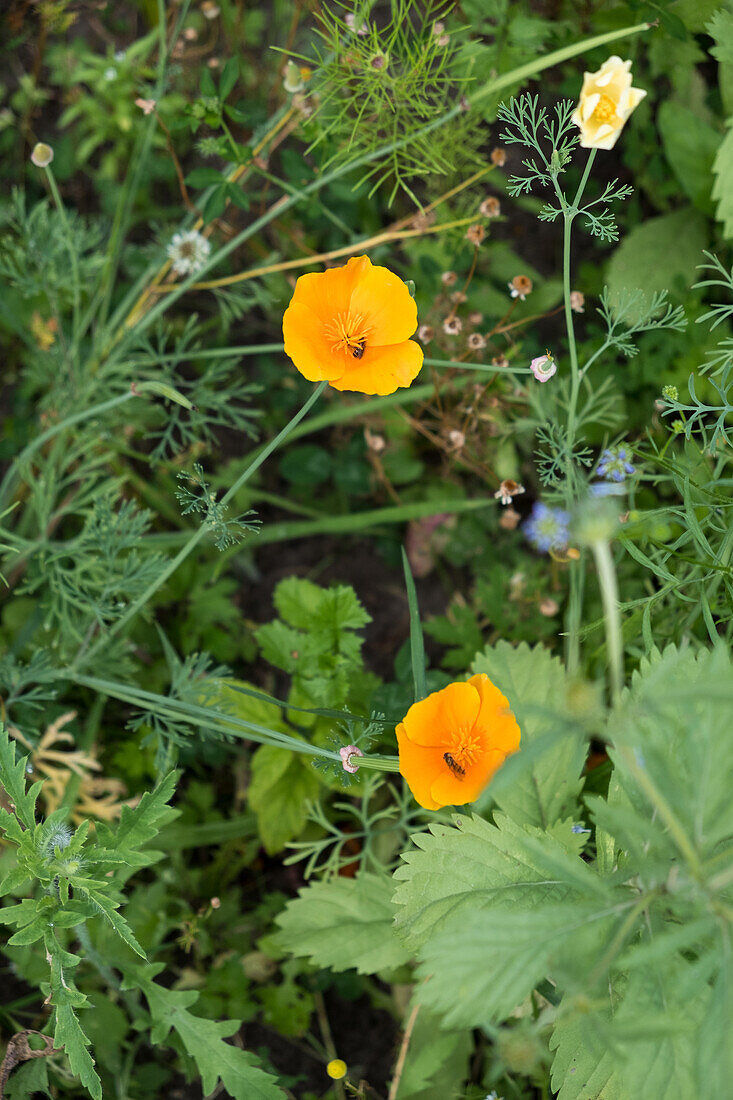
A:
x,y
336,1069
606,102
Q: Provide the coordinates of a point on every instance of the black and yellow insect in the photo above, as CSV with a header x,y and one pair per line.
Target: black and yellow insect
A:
x,y
358,351
456,768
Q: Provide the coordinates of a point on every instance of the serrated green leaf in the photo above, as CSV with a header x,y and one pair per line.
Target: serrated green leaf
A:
x,y
456,869
13,779
517,949
204,1040
138,825
69,1035
28,1081
343,924
643,1049
540,784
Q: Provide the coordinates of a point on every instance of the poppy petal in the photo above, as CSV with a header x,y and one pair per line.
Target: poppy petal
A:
x,y
432,721
382,370
449,789
495,715
306,344
420,767
386,304
328,293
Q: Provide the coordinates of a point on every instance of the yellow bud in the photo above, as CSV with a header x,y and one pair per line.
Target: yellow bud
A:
x,y
336,1069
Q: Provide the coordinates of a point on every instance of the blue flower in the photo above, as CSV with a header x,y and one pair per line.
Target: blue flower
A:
x,y
547,528
614,464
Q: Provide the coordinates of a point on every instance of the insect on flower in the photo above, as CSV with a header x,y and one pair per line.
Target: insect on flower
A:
x,y
350,326
452,742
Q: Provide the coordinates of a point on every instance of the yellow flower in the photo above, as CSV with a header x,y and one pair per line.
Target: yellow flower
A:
x,y
336,1069
606,101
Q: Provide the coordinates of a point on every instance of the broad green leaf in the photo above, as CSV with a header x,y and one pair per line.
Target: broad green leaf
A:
x,y
344,924
723,186
660,254
645,1049
474,864
283,783
484,962
690,145
671,746
540,784
297,601
203,1039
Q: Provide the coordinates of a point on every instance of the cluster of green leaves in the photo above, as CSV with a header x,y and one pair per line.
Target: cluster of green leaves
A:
x,y
608,941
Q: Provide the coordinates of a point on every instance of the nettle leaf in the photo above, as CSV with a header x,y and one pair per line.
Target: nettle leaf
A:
x,y
13,779
540,784
484,963
672,730
203,1039
344,924
474,864
644,1048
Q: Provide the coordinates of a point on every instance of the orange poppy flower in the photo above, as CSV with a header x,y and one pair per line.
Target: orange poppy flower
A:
x,y
350,326
452,742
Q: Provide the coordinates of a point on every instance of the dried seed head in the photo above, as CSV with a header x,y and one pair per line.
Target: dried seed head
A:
x,y
448,278
476,341
452,325
374,442
475,318
520,287
490,207
509,519
475,234
425,334
458,296
498,156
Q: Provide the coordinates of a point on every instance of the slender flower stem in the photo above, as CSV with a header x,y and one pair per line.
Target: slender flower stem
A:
x,y
320,257
376,763
569,215
609,595
575,601
73,258
197,536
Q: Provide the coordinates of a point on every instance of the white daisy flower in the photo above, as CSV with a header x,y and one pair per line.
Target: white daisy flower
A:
x,y
188,252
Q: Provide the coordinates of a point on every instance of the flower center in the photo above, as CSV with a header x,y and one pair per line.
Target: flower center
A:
x,y
464,749
605,109
348,332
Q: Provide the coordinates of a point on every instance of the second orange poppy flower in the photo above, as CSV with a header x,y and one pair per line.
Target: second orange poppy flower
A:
x,y
351,326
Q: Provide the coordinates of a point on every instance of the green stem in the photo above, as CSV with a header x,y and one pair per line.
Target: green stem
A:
x,y
489,368
376,763
568,216
208,718
197,535
13,472
614,638
74,259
